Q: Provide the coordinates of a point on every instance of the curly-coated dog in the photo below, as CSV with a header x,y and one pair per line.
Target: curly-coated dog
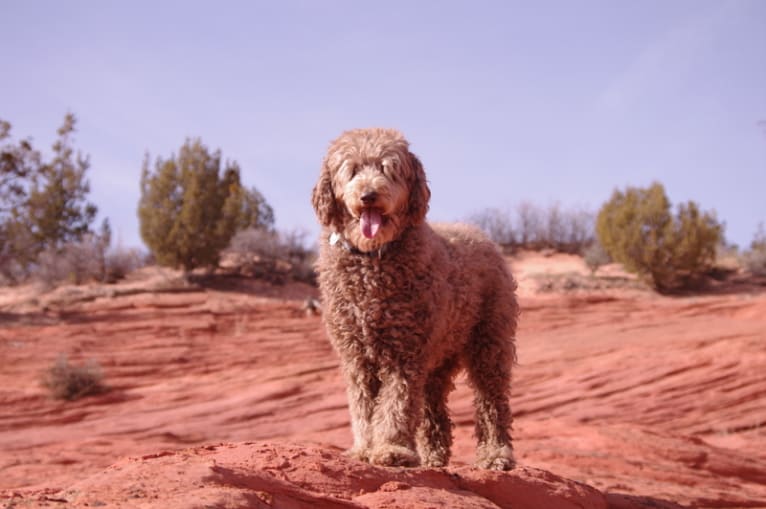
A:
x,y
408,305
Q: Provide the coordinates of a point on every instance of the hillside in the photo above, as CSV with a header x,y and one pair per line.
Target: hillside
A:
x,y
230,396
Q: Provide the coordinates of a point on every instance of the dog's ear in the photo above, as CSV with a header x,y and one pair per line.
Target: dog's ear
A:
x,y
420,194
323,199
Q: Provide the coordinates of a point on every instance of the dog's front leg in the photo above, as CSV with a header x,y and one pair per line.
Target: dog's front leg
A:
x,y
396,417
362,388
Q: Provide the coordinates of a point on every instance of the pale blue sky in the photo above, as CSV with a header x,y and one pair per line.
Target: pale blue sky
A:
x,y
545,101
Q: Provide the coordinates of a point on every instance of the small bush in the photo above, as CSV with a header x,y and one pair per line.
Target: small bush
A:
x,y
74,262
88,259
638,230
754,260
274,256
16,247
70,382
119,262
257,242
50,268
595,256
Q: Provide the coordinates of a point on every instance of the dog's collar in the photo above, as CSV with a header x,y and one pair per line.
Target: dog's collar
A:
x,y
337,239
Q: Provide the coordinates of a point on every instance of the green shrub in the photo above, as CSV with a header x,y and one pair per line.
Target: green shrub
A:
x,y
70,382
637,229
43,202
192,205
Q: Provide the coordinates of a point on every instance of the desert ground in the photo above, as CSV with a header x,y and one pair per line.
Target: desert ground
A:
x,y
228,394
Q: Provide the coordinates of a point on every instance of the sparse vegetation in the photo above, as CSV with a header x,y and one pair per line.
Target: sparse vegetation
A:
x,y
754,260
121,261
532,227
193,206
88,259
74,262
70,382
575,282
271,255
595,256
497,224
637,229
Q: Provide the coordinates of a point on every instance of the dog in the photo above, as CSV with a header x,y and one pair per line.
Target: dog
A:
x,y
408,305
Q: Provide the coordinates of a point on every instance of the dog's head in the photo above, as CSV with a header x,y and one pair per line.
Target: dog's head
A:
x,y
371,188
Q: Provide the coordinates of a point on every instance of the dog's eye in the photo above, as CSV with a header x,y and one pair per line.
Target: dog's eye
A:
x,y
388,171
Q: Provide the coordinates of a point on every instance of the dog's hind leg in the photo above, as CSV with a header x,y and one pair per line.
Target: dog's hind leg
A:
x,y
489,362
435,432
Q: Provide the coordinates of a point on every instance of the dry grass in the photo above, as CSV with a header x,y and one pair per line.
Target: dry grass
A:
x,y
573,282
754,261
70,382
277,257
594,257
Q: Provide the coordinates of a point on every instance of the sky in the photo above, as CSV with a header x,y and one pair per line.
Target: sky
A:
x,y
504,102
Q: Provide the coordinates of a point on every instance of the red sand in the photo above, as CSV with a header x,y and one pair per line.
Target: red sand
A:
x,y
622,399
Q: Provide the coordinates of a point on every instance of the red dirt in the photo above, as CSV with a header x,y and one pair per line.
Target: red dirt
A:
x,y
219,398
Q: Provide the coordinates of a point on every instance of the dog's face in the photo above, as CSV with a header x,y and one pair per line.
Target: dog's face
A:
x,y
371,188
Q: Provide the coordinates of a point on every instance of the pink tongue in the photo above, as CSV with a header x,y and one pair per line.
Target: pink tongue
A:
x,y
370,222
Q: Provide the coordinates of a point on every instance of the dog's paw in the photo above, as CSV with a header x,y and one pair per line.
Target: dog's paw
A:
x,y
435,462
500,458
434,458
390,455
358,453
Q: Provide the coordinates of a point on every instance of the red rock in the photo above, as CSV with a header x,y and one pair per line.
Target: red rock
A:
x,y
284,476
622,398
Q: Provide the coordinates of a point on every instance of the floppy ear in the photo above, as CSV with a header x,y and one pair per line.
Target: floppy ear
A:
x,y
323,199
419,192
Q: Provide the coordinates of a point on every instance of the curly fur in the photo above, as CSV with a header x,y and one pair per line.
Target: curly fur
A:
x,y
409,307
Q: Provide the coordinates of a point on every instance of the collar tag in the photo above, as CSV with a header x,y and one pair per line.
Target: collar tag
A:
x,y
336,239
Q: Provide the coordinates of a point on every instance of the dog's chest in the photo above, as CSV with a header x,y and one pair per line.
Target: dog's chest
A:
x,y
378,303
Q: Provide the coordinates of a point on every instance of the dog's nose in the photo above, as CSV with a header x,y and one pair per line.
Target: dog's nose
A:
x,y
369,197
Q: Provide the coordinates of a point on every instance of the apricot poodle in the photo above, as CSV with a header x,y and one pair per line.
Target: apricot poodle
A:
x,y
408,305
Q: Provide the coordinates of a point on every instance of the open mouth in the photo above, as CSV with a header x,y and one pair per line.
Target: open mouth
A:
x,y
370,221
